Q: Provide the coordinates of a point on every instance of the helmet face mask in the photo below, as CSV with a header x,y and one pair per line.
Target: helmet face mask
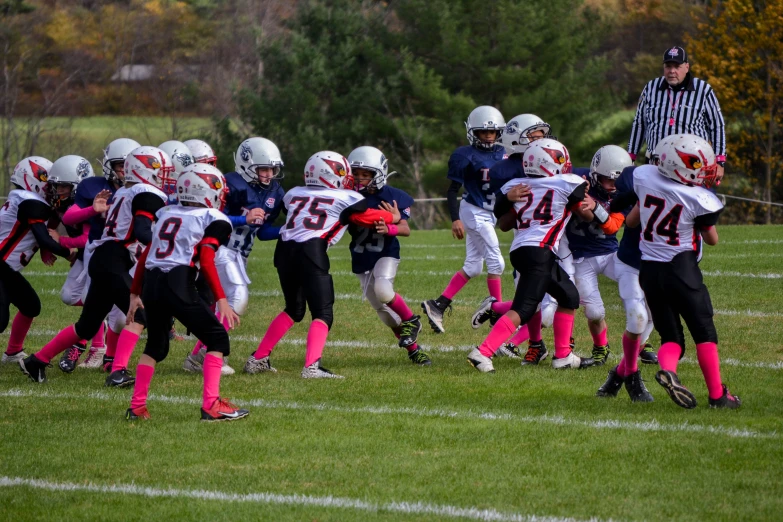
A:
x,y
607,165
687,159
255,153
115,153
484,118
64,176
523,130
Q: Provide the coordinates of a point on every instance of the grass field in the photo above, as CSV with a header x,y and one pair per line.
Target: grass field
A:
x,y
398,442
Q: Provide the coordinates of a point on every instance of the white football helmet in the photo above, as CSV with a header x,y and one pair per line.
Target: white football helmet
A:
x,y
202,152
687,159
68,170
149,165
258,152
328,169
181,157
484,117
204,185
32,174
515,137
116,152
373,160
546,157
609,162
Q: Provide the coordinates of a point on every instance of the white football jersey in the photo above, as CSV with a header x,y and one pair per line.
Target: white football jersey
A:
x,y
668,212
314,212
119,217
178,232
17,243
542,216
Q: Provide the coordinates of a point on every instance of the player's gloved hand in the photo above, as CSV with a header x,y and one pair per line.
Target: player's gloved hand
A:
x,y
225,312
255,216
101,202
457,230
518,193
135,304
393,209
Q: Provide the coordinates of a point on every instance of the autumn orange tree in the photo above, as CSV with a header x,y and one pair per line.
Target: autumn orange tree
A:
x,y
738,49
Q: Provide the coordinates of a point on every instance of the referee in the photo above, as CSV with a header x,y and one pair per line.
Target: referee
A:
x,y
678,103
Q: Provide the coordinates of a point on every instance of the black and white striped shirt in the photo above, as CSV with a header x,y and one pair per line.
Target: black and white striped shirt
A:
x,y
663,111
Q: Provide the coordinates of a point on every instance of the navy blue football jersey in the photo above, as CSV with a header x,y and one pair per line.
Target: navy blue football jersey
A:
x,y
367,247
470,166
86,191
244,196
506,170
628,251
588,239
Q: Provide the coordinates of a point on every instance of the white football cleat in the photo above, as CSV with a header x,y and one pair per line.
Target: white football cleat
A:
x,y
15,358
316,371
479,362
571,361
226,369
483,313
193,363
261,365
94,358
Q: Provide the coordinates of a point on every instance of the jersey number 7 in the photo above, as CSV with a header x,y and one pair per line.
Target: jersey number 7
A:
x,y
667,227
317,217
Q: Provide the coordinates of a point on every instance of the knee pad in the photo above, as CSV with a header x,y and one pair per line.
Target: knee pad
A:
x,y
238,298
296,315
636,318
496,264
548,309
325,316
571,298
473,268
70,294
158,355
384,290
595,311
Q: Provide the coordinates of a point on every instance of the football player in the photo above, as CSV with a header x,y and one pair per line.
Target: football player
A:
x,y
677,212
316,219
201,151
181,159
23,230
128,226
540,219
166,281
254,200
472,219
375,253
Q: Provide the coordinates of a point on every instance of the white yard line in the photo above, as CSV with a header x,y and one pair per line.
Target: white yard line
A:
x,y
557,420
406,507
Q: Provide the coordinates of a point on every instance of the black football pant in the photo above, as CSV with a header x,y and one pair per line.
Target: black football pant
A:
x,y
540,274
676,289
16,290
173,294
110,285
303,269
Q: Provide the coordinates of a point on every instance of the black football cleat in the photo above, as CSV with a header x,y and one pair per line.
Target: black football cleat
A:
x,y
409,331
727,401
612,385
71,357
419,357
679,394
536,352
139,413
648,355
34,368
636,389
120,379
600,354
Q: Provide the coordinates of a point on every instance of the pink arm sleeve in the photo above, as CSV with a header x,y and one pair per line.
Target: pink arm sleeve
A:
x,y
76,242
75,215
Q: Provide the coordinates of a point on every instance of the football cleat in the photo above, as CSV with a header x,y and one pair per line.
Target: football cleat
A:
x,y
726,400
94,358
106,364
262,365
678,393
71,357
223,410
612,385
480,362
571,361
137,413
409,331
419,357
192,363
508,350
120,379
226,369
34,368
13,358
536,352
316,371
636,389
600,354
484,313
434,310
648,355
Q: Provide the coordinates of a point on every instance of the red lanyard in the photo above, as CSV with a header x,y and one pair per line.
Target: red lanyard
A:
x,y
672,104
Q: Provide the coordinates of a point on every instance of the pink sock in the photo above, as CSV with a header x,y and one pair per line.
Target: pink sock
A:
x,y
669,356
562,325
399,307
196,348
142,386
111,342
97,341
61,342
125,345
502,330
599,339
501,308
19,329
277,329
212,365
521,336
495,289
709,362
316,339
455,285
628,363
534,327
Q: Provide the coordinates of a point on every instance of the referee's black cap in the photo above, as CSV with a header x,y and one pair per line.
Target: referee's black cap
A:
x,y
675,54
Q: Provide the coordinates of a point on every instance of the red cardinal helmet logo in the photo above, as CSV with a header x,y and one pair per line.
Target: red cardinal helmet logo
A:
x,y
212,181
691,161
557,156
151,162
337,167
38,172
